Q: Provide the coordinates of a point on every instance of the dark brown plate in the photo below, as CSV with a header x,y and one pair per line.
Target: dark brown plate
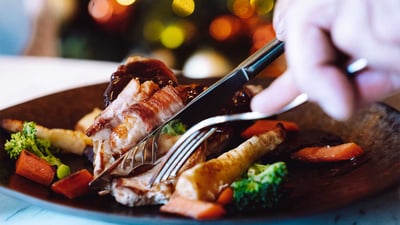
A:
x,y
314,188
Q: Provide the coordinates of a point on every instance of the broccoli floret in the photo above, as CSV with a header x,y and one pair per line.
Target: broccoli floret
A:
x,y
260,187
27,139
174,128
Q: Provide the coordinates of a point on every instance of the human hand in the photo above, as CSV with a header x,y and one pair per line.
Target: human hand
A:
x,y
317,34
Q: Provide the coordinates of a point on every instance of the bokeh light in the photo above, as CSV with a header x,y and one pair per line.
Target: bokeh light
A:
x,y
172,36
242,8
126,2
262,7
262,35
183,7
224,27
181,27
100,10
206,63
118,9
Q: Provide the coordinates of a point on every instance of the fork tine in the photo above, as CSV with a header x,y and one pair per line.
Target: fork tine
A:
x,y
179,153
187,151
171,157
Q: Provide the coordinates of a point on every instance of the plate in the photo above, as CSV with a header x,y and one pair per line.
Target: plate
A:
x,y
313,188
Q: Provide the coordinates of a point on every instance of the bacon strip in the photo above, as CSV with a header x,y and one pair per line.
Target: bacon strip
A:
x,y
143,117
134,123
133,93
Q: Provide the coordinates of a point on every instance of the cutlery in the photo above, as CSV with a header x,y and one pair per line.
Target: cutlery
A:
x,y
216,96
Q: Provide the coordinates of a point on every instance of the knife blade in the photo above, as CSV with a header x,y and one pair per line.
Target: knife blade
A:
x,y
214,97
209,101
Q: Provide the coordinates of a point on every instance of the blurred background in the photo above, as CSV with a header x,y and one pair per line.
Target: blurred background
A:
x,y
197,36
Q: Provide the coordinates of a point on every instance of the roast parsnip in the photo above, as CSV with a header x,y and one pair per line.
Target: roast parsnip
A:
x,y
205,180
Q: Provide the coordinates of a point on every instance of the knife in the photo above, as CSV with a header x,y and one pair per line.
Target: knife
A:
x,y
214,97
209,101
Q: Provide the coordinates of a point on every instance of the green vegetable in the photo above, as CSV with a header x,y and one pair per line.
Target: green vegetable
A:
x,y
174,128
260,187
27,139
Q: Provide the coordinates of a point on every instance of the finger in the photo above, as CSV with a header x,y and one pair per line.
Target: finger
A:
x,y
314,65
278,21
276,96
385,20
381,50
372,86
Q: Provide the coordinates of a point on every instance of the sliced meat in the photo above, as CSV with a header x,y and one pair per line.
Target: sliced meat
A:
x,y
134,191
143,69
135,122
110,117
143,117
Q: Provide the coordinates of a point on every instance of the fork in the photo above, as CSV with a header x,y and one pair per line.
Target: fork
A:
x,y
197,134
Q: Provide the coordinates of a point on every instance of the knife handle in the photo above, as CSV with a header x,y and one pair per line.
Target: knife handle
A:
x,y
259,60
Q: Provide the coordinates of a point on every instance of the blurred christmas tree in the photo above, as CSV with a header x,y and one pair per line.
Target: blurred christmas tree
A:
x,y
173,30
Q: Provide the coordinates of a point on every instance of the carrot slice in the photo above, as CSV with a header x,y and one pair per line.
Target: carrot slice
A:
x,y
74,185
34,168
329,153
196,209
262,126
226,196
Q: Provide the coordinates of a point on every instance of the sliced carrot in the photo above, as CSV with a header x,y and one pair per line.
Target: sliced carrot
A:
x,y
196,209
34,168
226,196
74,185
329,153
262,126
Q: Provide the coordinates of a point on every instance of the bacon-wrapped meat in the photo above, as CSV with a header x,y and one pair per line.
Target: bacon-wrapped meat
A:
x,y
134,111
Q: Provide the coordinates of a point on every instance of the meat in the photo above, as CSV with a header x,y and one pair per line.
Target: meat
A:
x,y
112,115
150,97
134,191
140,68
132,124
142,94
141,118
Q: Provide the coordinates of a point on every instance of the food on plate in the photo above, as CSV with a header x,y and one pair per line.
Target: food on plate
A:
x,y
26,139
205,180
87,120
144,103
260,187
150,97
34,168
142,69
261,126
130,116
329,153
68,141
225,197
73,185
196,209
133,190
223,173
